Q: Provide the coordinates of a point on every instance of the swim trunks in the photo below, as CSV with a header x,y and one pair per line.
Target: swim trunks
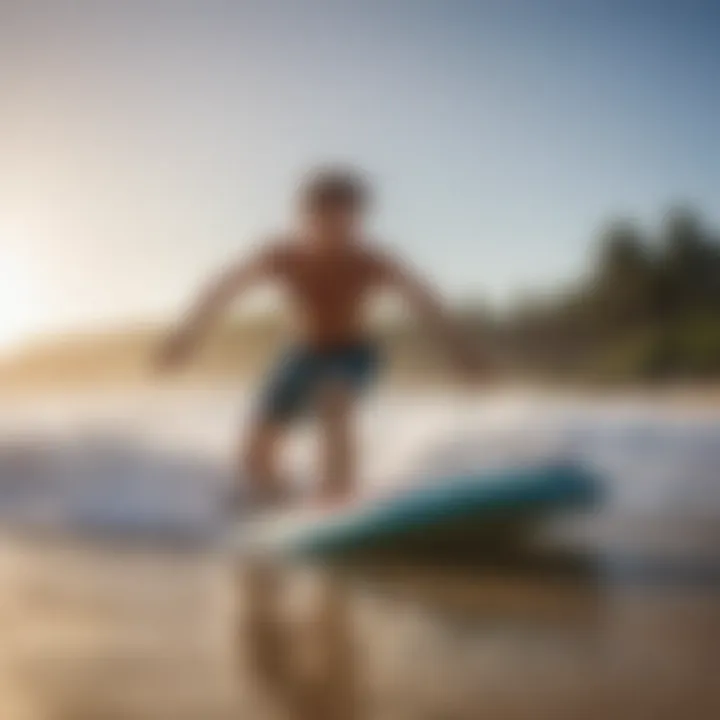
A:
x,y
292,386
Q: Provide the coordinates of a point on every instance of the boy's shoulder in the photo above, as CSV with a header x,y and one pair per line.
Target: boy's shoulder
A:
x,y
279,242
278,249
283,252
379,254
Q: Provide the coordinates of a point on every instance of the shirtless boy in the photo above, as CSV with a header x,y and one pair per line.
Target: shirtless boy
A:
x,y
329,270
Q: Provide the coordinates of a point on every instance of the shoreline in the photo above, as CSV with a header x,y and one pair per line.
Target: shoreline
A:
x,y
700,395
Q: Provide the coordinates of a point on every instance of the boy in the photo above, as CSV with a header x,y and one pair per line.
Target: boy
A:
x,y
329,271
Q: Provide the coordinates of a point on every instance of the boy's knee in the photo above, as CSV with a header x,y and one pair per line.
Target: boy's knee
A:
x,y
335,402
257,454
257,464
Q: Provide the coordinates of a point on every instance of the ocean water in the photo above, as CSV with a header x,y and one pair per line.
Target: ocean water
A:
x,y
159,460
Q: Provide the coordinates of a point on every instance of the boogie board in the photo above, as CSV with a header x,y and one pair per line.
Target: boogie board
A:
x,y
453,512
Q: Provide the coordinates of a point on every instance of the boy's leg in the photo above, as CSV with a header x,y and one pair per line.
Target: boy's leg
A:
x,y
259,462
281,401
337,457
350,374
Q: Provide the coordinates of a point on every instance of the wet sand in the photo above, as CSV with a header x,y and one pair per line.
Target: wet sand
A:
x,y
91,632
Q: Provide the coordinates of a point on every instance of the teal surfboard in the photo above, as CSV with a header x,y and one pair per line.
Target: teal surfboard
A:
x,y
454,512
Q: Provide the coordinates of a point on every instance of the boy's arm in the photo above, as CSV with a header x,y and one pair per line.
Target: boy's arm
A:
x,y
211,302
426,302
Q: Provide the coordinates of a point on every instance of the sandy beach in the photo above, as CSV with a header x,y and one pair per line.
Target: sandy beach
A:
x,y
100,632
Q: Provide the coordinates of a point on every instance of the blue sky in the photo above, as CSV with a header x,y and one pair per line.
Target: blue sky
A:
x,y
144,143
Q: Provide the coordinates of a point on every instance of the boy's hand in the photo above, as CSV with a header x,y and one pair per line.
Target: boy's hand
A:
x,y
476,369
173,352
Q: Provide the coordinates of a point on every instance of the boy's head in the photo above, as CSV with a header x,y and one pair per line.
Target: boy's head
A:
x,y
333,202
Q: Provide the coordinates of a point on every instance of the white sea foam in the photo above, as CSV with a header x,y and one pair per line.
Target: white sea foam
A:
x,y
157,459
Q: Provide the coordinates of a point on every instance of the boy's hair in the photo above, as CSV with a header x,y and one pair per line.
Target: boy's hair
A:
x,y
333,187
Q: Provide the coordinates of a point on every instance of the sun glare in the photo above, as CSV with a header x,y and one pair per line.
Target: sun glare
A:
x,y
15,299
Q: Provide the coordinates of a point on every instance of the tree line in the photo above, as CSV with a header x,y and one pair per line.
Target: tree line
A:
x,y
647,309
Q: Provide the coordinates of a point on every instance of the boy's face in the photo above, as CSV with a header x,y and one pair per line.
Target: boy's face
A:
x,y
334,223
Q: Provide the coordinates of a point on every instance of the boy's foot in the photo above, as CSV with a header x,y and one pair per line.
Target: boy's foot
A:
x,y
239,501
335,497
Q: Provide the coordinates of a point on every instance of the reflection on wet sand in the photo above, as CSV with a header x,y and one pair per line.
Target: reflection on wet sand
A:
x,y
95,633
309,665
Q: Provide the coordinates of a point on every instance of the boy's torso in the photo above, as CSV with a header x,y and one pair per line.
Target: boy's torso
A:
x,y
328,289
